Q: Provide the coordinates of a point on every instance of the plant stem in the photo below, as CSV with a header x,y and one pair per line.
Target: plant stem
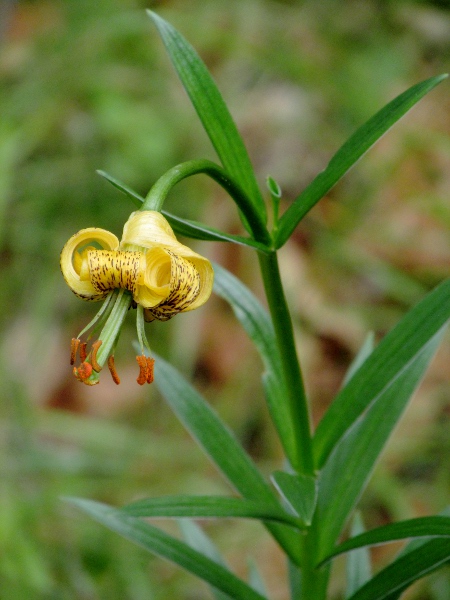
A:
x,y
158,193
313,581
302,461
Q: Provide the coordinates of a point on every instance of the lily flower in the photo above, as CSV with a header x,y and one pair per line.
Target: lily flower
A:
x,y
148,270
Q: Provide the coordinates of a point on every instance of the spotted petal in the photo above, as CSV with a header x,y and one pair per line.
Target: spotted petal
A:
x,y
74,265
175,278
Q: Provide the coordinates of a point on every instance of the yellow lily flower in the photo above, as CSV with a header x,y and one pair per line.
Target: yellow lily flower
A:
x,y
148,269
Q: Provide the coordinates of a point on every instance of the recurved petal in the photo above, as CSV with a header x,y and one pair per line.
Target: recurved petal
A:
x,y
73,265
150,229
176,278
153,284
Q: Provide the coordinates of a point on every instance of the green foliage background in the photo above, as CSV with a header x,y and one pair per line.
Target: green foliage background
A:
x,y
86,86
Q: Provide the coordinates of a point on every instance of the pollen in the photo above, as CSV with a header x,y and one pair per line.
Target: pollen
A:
x,y
83,372
95,346
112,370
143,369
150,365
75,342
83,351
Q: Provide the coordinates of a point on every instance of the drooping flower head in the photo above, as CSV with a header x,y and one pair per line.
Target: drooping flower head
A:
x,y
148,269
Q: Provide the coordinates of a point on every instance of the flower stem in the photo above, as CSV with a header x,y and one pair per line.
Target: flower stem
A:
x,y
302,461
158,193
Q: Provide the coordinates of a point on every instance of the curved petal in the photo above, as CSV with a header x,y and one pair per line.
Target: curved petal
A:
x,y
174,277
74,267
149,229
153,285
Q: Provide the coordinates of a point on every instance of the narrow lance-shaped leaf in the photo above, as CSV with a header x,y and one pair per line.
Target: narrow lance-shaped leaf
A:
x,y
220,444
211,109
136,198
200,231
405,570
350,465
435,526
197,539
299,492
208,507
358,567
350,153
381,369
160,543
256,322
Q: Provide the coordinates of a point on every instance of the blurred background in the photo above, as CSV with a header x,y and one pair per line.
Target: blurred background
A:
x,y
87,85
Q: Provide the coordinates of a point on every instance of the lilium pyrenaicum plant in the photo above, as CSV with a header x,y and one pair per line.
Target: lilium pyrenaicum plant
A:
x,y
149,270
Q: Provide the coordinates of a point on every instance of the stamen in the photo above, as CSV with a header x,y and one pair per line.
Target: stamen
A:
x,y
102,314
150,364
94,349
83,372
140,325
143,372
83,351
112,370
75,342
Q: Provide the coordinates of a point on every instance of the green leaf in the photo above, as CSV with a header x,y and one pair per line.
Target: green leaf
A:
x,y
363,353
197,539
199,231
219,443
160,543
299,491
257,324
255,578
435,526
405,570
208,507
211,109
358,567
134,196
382,368
350,153
349,466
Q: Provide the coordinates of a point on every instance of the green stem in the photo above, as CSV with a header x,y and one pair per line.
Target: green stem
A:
x,y
302,461
313,581
158,193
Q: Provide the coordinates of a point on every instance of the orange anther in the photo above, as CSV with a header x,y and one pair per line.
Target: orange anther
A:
x,y
74,343
84,371
142,362
95,346
150,364
83,352
112,370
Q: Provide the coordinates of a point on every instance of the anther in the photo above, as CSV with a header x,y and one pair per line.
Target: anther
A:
x,y
112,370
142,362
74,343
84,371
150,364
83,351
94,349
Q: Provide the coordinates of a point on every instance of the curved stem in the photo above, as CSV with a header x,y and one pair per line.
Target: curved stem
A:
x,y
158,193
302,462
